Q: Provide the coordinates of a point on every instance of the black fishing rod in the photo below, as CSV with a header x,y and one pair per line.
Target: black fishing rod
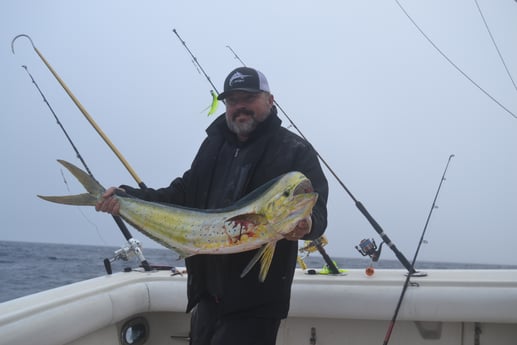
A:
x,y
358,204
408,277
84,112
196,63
133,243
331,265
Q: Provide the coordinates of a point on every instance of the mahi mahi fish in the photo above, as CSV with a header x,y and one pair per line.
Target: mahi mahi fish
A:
x,y
258,220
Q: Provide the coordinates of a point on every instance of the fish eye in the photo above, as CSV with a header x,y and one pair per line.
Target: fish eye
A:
x,y
286,194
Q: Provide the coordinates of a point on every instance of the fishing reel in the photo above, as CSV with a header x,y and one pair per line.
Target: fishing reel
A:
x,y
133,248
369,248
317,245
312,246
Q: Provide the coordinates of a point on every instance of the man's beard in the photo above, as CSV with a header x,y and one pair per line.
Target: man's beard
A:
x,y
242,128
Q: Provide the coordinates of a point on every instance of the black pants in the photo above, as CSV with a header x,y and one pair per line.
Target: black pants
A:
x,y
208,328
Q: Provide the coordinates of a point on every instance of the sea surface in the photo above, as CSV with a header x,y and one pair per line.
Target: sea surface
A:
x,y
27,268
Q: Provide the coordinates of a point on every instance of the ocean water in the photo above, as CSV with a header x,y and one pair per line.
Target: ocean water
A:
x,y
27,268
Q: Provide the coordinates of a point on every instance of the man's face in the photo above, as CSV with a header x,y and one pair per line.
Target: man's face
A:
x,y
245,110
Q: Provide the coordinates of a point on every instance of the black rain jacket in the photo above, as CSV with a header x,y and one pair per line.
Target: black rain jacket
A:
x,y
271,151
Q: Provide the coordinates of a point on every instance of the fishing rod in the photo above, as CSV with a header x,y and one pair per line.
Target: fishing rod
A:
x,y
408,277
214,93
331,265
84,112
194,59
134,245
358,204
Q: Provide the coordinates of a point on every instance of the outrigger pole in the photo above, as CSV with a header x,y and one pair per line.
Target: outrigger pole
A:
x,y
134,244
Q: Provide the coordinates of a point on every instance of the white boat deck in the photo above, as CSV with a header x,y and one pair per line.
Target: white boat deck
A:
x,y
443,297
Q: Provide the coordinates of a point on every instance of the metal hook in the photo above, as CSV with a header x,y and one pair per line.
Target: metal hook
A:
x,y
22,35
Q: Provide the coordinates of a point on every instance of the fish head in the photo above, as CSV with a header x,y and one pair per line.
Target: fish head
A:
x,y
291,200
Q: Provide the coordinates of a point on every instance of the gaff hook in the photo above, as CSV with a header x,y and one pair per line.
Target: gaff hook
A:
x,y
118,220
84,112
22,35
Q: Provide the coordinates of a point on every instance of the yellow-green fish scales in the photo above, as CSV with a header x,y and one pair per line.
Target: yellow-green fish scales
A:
x,y
261,218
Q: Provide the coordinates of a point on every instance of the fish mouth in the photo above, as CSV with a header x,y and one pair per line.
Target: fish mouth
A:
x,y
303,187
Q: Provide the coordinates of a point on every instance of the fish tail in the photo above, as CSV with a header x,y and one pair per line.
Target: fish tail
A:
x,y
94,188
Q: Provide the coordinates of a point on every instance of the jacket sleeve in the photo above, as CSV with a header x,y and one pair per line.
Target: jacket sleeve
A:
x,y
176,192
173,194
307,162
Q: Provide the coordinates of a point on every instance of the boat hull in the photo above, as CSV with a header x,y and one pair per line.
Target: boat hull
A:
x,y
445,307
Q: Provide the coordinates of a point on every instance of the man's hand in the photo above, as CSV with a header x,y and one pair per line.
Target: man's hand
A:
x,y
108,203
302,228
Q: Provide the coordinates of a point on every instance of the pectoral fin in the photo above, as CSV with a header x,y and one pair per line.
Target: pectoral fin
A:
x,y
265,254
249,219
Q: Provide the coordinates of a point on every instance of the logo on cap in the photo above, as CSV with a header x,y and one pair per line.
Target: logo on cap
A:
x,y
238,78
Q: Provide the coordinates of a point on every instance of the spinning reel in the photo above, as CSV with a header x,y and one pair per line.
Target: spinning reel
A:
x,y
368,247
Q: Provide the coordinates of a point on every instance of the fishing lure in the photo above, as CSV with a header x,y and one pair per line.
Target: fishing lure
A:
x,y
212,108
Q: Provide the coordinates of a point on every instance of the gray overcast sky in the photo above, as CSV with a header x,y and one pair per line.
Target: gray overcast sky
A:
x,y
363,85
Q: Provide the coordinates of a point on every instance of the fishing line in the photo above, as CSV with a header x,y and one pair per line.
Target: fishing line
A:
x,y
452,63
358,204
495,44
122,226
408,276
